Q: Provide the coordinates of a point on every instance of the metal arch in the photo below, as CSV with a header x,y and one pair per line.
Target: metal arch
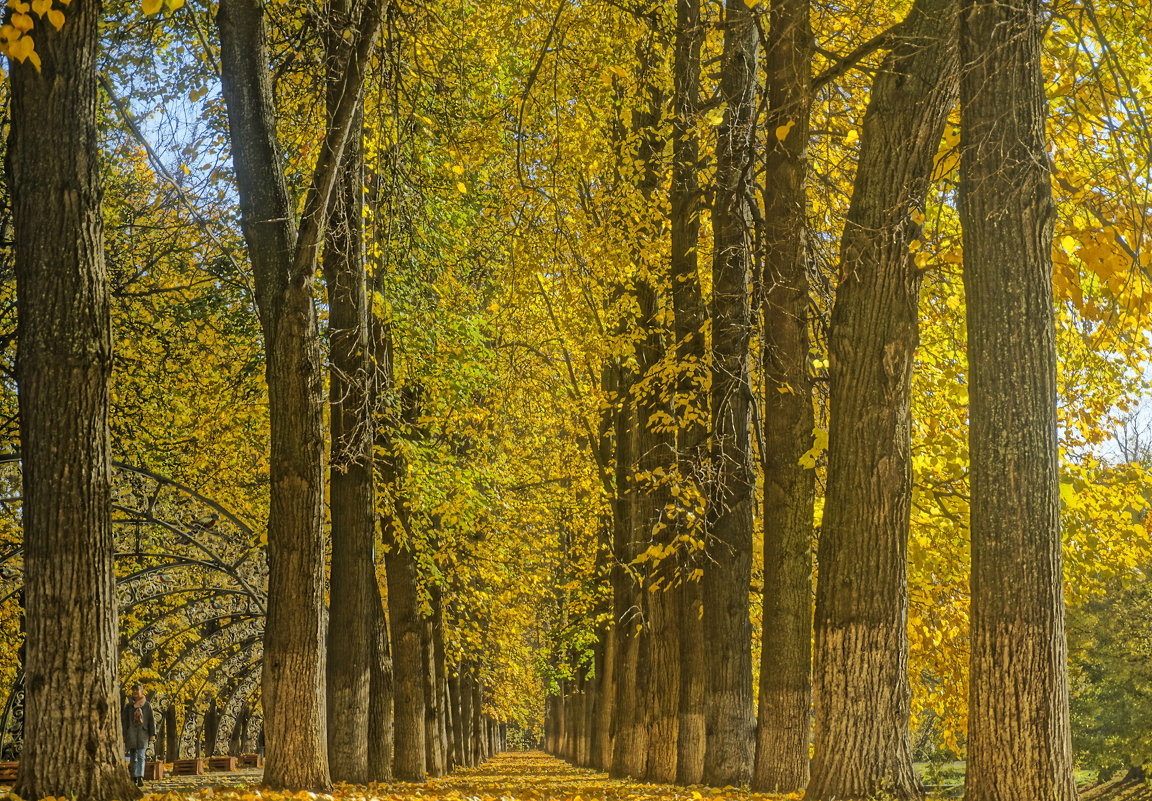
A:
x,y
222,562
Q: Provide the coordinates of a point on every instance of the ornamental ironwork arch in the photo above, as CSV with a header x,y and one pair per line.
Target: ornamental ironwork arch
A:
x,y
192,583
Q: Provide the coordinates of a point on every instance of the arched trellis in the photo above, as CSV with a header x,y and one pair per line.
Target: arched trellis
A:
x,y
192,586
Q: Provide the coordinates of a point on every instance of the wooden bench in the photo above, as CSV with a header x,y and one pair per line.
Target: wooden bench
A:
x,y
154,771
8,772
251,761
188,767
222,763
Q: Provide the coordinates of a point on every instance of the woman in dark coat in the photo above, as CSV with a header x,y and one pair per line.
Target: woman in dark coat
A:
x,y
139,726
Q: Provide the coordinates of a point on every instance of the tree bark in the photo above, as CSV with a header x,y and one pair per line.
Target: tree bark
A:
x,y
466,717
1019,745
72,740
691,399
729,715
782,721
601,756
408,663
457,718
351,498
479,744
434,756
380,692
284,265
862,696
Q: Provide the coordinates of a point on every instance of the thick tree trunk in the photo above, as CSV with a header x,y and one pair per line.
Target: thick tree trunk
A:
x,y
584,753
1018,743
72,741
691,398
601,756
284,266
467,719
782,721
454,701
625,596
479,744
407,662
380,695
728,574
434,756
351,499
861,689
658,669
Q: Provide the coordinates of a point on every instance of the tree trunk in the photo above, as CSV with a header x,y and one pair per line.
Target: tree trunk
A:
x,y
457,718
862,696
284,266
434,756
728,575
466,717
601,756
72,740
1018,743
351,500
380,695
407,662
782,721
691,398
480,752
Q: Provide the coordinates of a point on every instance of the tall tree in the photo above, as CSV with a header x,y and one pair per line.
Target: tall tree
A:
x,y
728,755
284,263
860,683
727,576
380,729
351,497
691,402
1019,744
72,740
782,720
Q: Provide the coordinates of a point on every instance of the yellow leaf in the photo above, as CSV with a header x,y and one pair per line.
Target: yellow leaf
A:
x,y
41,6
851,137
1069,244
151,6
782,130
22,23
175,5
914,246
56,17
461,188
917,216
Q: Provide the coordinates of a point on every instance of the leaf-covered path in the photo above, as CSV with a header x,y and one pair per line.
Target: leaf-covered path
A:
x,y
511,776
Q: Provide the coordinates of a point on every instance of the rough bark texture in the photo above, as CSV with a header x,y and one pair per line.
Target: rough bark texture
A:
x,y
467,719
601,756
728,655
691,399
480,745
72,739
380,695
407,663
658,679
783,717
861,691
625,595
284,266
433,755
1018,742
351,498
454,701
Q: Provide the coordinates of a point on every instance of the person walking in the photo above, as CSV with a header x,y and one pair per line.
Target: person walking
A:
x,y
139,726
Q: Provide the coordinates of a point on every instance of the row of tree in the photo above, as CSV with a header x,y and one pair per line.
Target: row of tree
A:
x,y
442,715
668,693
